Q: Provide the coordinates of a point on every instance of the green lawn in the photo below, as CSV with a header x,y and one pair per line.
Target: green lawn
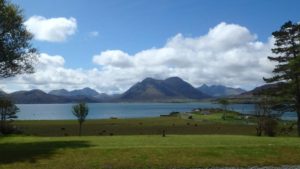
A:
x,y
173,151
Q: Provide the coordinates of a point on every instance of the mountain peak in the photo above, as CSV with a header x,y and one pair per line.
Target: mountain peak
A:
x,y
79,92
158,90
2,93
36,91
175,78
87,88
148,79
204,85
59,92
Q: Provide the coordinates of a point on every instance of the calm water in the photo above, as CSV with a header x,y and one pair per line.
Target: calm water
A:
x,y
119,110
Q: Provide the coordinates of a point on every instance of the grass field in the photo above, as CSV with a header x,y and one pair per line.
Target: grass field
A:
x,y
198,141
173,151
179,124
144,126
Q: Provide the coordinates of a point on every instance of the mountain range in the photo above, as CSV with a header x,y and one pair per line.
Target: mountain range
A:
x,y
39,96
264,88
220,91
172,89
87,92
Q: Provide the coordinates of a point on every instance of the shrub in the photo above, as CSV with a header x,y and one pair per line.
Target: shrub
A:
x,y
270,127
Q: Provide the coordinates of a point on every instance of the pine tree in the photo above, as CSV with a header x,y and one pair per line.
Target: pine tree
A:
x,y
287,71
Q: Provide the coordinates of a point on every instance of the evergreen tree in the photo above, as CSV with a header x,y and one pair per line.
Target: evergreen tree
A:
x,y
287,71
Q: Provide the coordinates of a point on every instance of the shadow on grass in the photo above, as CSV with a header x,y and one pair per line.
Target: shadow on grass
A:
x,y
33,151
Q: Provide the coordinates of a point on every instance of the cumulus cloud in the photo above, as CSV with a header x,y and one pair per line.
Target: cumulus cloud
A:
x,y
52,29
114,58
228,54
51,73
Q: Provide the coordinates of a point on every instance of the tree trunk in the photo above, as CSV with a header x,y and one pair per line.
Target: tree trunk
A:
x,y
80,127
1,126
298,123
259,126
298,112
224,114
298,104
2,122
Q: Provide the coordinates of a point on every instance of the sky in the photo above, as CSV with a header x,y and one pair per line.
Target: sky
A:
x,y
111,45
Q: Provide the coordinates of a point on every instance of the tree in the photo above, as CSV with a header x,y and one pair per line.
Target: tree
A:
x,y
287,70
224,104
8,112
80,110
266,116
16,51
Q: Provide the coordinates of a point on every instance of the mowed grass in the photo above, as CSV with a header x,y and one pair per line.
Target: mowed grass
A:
x,y
147,151
143,126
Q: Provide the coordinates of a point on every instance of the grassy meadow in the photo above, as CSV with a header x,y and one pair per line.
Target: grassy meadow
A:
x,y
193,123
192,140
172,151
143,126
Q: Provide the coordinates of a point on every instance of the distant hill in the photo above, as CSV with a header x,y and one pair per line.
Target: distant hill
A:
x,y
253,95
260,89
2,93
220,91
80,92
85,92
149,90
172,88
36,96
39,96
60,92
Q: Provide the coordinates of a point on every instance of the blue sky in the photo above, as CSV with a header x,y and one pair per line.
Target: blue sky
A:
x,y
133,26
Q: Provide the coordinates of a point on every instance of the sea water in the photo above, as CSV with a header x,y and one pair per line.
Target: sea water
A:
x,y
123,110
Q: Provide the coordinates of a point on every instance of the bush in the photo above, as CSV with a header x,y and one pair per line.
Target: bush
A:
x,y
10,129
270,127
267,126
174,113
8,111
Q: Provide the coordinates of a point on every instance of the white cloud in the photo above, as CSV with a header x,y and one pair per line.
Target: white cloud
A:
x,y
45,60
93,34
115,58
52,29
228,54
